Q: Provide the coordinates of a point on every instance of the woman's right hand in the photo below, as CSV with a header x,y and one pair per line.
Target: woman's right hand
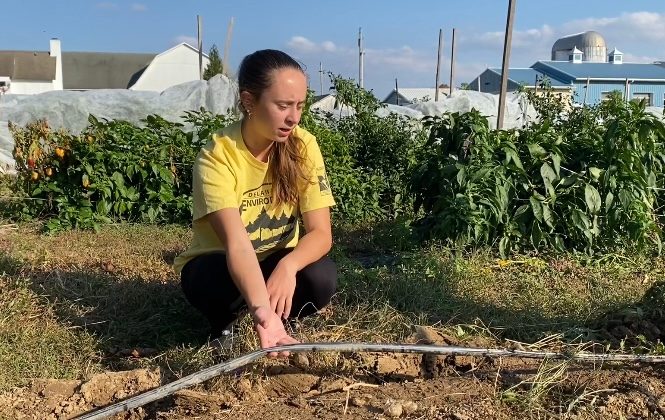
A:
x,y
269,327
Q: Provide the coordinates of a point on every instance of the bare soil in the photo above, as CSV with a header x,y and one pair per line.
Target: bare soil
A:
x,y
383,386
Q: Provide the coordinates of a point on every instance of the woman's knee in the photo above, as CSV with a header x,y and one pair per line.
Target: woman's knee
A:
x,y
320,280
207,284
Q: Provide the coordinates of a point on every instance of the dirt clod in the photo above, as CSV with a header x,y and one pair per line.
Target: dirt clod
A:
x,y
327,386
52,388
409,407
428,335
393,409
291,383
244,388
102,389
298,402
301,360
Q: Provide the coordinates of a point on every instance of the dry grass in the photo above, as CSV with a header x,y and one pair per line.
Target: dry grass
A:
x,y
34,343
71,303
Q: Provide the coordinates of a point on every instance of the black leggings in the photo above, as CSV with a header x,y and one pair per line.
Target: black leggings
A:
x,y
208,286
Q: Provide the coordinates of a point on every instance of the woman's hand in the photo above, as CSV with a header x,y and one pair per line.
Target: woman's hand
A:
x,y
270,330
281,285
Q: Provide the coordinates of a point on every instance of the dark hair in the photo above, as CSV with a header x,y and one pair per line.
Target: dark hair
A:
x,y
286,161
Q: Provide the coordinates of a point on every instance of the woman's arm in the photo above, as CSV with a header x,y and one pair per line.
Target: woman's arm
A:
x,y
248,278
316,242
240,256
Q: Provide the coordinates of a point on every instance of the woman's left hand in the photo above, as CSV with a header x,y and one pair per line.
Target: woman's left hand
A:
x,y
281,285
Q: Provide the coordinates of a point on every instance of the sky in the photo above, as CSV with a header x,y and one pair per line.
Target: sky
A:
x,y
400,37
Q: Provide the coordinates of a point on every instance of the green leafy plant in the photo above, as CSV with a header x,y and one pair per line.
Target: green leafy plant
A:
x,y
369,158
112,171
576,179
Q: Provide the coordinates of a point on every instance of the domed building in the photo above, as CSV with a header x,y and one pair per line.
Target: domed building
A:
x,y
582,69
590,43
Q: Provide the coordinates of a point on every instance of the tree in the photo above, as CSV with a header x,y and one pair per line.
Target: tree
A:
x,y
214,66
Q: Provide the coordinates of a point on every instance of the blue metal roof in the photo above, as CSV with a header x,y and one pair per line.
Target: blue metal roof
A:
x,y
527,77
603,70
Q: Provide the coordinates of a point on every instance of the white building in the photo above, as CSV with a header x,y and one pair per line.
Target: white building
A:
x,y
174,66
31,72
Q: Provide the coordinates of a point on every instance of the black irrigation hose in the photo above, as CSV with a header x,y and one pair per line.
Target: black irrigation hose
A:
x,y
216,370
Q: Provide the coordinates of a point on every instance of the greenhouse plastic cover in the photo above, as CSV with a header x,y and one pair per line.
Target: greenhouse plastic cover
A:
x,y
70,109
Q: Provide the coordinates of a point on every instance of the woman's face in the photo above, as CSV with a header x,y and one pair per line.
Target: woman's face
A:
x,y
277,111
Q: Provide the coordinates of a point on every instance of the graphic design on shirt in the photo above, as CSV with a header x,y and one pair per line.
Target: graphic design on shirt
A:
x,y
266,231
324,184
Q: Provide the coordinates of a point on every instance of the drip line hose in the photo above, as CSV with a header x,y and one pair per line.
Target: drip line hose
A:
x,y
233,364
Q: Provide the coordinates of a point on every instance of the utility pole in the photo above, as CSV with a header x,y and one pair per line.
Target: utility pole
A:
x,y
227,47
586,90
506,62
320,78
199,26
452,64
396,92
361,53
438,66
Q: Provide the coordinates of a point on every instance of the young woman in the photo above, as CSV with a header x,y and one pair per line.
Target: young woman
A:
x,y
252,183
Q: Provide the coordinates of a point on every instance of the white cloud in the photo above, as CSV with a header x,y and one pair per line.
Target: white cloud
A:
x,y
628,27
138,7
527,39
301,44
328,46
636,58
105,5
191,40
401,58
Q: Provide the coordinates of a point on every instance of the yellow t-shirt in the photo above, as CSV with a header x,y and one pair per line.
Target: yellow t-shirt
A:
x,y
227,175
